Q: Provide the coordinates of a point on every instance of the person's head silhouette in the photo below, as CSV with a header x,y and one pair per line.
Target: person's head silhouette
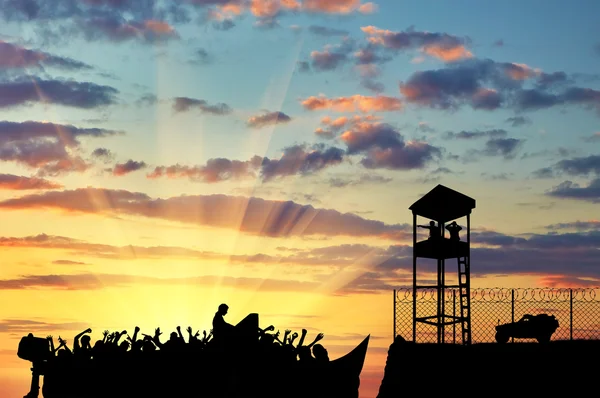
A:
x,y
432,223
223,309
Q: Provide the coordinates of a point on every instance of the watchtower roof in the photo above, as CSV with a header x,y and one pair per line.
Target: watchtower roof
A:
x,y
443,204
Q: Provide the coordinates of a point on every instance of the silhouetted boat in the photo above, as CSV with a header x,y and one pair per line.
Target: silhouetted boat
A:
x,y
244,369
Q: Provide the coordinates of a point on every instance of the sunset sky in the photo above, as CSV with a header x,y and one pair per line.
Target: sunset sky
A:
x,y
160,157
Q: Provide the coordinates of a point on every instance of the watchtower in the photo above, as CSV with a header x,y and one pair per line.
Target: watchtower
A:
x,y
442,205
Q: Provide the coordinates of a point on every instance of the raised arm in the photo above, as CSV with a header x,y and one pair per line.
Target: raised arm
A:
x,y
180,334
304,331
156,338
318,338
76,345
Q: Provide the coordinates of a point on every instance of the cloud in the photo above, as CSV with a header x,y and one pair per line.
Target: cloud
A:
x,y
89,281
332,57
577,225
580,166
103,154
118,29
268,119
488,85
130,166
517,121
68,262
249,215
51,148
14,56
353,103
331,127
70,93
66,133
364,179
326,31
443,46
215,170
468,135
571,190
384,147
201,57
593,138
505,147
37,327
183,104
298,159
13,182
295,160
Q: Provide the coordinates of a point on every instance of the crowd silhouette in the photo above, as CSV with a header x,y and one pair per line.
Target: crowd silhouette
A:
x,y
227,361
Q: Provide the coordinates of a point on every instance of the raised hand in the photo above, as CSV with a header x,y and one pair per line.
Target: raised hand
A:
x,y
178,328
271,328
49,337
88,330
105,333
123,332
157,332
137,329
189,329
319,337
277,334
295,335
198,334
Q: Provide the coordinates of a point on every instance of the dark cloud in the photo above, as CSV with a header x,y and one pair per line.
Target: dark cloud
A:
x,y
505,147
571,190
326,31
250,215
14,56
446,47
466,135
103,154
215,170
50,148
201,57
485,84
130,166
117,29
300,160
18,183
183,104
66,133
372,85
384,147
498,43
332,57
577,225
593,138
83,95
147,100
268,119
517,121
303,66
364,179
580,166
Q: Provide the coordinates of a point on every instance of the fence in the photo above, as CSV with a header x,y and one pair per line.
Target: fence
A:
x,y
577,312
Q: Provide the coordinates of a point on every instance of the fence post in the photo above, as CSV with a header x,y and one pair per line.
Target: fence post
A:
x,y
512,310
571,314
454,316
394,333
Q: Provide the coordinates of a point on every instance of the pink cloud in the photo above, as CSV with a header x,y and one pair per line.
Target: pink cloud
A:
x,y
353,103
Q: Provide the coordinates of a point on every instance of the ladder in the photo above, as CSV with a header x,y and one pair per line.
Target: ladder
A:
x,y
464,287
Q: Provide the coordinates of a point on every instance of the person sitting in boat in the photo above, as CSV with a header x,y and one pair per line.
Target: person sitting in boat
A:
x,y
453,228
221,328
